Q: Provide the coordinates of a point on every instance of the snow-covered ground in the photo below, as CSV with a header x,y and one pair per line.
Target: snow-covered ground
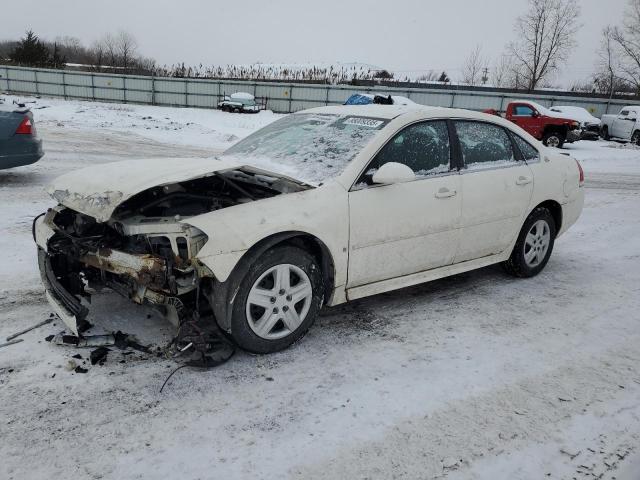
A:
x,y
478,376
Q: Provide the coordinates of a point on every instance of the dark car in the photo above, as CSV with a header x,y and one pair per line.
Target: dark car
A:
x,y
19,143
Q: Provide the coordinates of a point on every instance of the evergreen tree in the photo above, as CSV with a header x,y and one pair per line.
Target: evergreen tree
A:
x,y
444,78
57,60
31,52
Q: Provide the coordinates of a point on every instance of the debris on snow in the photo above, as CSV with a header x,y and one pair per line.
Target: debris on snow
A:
x,y
98,355
22,332
570,453
84,342
12,342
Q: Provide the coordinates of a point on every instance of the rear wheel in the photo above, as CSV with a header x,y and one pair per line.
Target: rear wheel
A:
x,y
635,138
534,245
553,139
278,300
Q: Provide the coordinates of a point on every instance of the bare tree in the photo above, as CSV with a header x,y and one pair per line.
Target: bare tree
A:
x,y
472,71
501,72
627,39
126,46
110,50
546,37
430,76
608,63
98,55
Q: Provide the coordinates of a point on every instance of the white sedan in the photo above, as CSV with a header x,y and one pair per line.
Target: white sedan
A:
x,y
320,207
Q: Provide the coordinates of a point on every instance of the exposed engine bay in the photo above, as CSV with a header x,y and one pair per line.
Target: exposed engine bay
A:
x,y
144,251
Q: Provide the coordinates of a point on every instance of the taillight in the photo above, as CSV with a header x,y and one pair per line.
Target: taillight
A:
x,y
25,127
581,181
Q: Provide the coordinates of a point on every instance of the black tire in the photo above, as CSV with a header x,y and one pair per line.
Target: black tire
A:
x,y
242,332
635,138
554,139
517,265
604,133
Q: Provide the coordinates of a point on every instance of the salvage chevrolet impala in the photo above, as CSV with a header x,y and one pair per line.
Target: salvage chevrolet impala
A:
x,y
319,208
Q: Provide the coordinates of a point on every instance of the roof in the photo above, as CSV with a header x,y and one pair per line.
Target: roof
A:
x,y
389,112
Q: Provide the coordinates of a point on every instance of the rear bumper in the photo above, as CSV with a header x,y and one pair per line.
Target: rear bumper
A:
x,y
20,152
571,210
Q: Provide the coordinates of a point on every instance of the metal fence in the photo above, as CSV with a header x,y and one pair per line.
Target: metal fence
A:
x,y
280,97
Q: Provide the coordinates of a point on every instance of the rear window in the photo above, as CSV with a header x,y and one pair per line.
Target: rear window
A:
x,y
311,147
528,151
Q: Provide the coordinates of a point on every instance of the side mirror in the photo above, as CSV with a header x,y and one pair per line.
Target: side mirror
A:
x,y
393,172
535,114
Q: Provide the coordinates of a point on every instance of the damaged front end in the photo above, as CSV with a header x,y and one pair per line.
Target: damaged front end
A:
x,y
146,250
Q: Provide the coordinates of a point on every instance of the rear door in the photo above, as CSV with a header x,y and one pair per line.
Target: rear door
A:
x,y
497,185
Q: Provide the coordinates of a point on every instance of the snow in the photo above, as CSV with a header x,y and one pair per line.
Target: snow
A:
x,y
575,113
478,376
211,129
242,96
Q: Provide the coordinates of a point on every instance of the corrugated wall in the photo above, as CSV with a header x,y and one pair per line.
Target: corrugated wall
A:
x,y
280,97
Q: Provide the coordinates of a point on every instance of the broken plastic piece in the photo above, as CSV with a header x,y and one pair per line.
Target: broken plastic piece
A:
x,y
98,355
83,342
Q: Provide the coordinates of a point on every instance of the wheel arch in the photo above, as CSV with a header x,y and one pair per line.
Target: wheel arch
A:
x,y
556,212
222,294
563,129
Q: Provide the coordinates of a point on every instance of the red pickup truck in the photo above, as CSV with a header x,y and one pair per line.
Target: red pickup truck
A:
x,y
541,123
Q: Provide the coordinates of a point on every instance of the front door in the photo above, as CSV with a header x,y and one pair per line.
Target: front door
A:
x,y
405,228
496,190
623,125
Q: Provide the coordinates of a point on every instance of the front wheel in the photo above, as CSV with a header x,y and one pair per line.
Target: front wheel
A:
x,y
534,245
635,138
604,133
278,300
553,139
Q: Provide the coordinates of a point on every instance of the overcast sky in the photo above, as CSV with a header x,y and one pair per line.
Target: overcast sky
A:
x,y
401,35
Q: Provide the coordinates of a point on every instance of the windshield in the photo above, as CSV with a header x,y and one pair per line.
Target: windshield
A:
x,y
312,147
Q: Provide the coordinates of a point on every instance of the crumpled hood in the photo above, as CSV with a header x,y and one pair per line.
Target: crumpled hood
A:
x,y
97,191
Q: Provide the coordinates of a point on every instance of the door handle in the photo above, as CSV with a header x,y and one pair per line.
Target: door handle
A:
x,y
524,180
446,193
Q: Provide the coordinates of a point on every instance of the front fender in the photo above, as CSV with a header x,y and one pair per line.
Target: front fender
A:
x,y
321,212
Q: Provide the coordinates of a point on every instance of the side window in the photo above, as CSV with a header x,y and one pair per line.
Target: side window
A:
x,y
527,150
423,147
523,111
624,113
484,145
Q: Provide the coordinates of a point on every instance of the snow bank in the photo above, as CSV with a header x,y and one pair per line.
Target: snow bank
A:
x,y
184,126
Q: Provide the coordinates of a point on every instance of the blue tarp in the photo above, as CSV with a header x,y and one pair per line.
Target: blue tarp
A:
x,y
359,99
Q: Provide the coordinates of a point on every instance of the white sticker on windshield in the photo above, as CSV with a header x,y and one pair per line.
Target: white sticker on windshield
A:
x,y
363,122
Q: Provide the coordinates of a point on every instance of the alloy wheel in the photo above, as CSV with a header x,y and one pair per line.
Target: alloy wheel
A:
x,y
279,301
537,243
